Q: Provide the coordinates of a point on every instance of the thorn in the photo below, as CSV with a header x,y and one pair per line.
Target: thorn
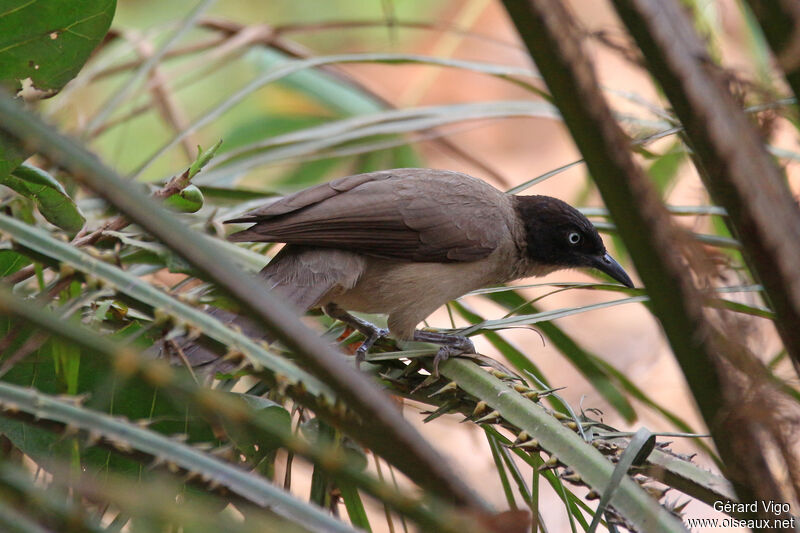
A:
x,y
340,408
160,316
233,356
430,380
281,382
122,446
680,507
193,333
552,462
93,438
65,270
522,436
500,375
532,395
299,389
449,387
480,407
531,445
491,416
657,492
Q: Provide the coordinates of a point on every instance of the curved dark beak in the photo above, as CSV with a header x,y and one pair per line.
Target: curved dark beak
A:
x,y
608,264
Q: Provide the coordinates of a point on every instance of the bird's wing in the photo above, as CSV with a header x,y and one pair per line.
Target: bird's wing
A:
x,y
407,214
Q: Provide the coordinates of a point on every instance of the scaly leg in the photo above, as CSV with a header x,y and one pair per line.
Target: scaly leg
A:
x,y
372,332
452,345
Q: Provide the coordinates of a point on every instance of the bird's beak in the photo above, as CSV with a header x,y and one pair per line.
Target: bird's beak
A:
x,y
606,263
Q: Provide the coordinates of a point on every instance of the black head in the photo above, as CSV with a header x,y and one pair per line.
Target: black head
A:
x,y
558,235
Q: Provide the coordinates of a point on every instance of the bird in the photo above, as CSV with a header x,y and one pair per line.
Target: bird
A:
x,y
404,242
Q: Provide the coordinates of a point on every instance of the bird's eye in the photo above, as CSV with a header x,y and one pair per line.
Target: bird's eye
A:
x,y
574,237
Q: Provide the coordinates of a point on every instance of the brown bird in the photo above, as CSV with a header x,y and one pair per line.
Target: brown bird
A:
x,y
404,242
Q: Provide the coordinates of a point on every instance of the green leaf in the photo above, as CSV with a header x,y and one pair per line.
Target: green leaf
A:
x,y
11,261
49,42
226,195
354,505
189,200
50,197
203,157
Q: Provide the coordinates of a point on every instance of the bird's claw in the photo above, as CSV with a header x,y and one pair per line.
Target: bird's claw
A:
x,y
374,336
460,346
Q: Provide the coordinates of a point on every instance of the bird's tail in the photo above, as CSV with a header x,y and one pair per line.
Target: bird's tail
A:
x,y
293,279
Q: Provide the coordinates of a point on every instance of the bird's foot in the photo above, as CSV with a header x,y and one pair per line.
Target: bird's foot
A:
x,y
452,345
372,332
372,337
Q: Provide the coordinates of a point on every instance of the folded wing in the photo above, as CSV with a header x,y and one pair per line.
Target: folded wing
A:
x,y
408,214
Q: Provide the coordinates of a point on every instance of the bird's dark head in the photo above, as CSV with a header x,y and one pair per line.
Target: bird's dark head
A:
x,y
558,235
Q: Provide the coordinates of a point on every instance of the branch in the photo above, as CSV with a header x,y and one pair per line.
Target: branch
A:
x,y
643,222
737,169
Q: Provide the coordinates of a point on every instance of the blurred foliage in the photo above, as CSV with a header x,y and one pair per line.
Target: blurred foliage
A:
x,y
285,121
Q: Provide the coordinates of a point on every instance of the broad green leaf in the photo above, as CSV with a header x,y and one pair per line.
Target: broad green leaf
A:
x,y
50,197
46,43
50,41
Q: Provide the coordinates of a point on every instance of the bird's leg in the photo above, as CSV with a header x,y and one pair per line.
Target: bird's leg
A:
x,y
452,345
371,332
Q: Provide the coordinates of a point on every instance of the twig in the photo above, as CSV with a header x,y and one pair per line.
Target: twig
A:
x,y
119,222
171,113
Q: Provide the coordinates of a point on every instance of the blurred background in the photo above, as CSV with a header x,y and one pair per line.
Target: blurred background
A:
x,y
302,91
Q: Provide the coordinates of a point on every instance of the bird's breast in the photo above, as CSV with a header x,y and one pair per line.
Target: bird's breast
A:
x,y
387,286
